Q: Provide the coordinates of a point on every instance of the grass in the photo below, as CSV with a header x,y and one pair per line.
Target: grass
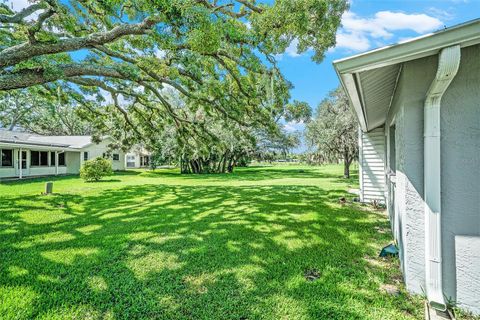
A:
x,y
160,245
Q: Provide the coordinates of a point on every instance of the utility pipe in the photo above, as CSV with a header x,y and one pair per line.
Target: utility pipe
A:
x,y
448,63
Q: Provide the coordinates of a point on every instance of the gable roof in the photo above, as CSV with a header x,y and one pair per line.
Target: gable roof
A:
x,y
370,78
25,138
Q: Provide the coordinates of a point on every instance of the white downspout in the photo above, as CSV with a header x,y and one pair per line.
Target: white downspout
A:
x,y
448,63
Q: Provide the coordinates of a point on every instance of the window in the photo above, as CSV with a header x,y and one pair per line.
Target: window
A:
x,y
44,158
61,159
39,158
392,163
130,161
34,158
116,156
7,158
52,158
85,156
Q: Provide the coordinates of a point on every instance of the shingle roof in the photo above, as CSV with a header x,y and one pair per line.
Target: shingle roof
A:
x,y
75,142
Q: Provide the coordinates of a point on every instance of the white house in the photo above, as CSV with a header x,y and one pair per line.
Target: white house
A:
x,y
418,105
24,154
137,158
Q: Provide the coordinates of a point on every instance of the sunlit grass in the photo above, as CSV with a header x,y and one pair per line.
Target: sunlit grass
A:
x,y
165,246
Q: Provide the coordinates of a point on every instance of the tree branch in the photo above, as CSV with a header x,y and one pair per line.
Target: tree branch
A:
x,y
38,25
19,53
30,77
19,16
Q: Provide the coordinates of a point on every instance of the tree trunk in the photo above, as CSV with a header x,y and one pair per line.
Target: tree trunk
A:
x,y
224,165
346,167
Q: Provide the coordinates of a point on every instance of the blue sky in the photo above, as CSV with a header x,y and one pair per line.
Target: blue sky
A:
x,y
369,25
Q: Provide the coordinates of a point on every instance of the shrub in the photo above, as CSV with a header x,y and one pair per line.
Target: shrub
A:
x,y
96,169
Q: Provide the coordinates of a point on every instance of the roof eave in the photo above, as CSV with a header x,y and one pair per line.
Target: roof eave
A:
x,y
20,144
466,34
347,69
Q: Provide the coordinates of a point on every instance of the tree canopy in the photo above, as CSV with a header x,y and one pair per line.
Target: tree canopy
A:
x,y
333,132
43,112
116,62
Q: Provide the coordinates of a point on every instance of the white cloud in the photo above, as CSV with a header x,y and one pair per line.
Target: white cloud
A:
x,y
355,41
18,5
289,127
441,14
292,49
358,33
420,23
293,126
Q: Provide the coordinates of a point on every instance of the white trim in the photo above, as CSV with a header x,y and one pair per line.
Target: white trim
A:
x,y
35,147
448,64
360,162
348,82
463,35
20,164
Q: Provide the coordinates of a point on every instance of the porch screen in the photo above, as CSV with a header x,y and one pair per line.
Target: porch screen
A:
x,y
7,158
39,158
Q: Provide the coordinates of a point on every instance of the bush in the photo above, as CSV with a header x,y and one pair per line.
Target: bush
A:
x,y
96,169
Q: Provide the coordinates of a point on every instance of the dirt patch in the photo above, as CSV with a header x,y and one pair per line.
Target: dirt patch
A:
x,y
311,274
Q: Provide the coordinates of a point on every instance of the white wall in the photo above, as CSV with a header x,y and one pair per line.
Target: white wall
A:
x,y
97,150
372,165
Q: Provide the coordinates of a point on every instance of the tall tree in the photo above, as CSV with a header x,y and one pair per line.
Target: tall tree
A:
x,y
219,145
39,111
219,55
333,131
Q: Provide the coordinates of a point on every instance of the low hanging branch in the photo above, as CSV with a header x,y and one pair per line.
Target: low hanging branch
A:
x,y
31,77
24,51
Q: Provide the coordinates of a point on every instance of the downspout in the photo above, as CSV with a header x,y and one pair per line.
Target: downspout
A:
x,y
448,63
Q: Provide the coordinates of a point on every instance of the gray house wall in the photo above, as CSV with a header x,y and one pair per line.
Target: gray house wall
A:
x,y
406,113
460,164
460,150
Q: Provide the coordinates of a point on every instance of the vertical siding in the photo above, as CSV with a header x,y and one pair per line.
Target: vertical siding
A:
x,y
372,164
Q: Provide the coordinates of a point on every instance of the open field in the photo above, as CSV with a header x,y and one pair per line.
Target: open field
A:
x,y
262,243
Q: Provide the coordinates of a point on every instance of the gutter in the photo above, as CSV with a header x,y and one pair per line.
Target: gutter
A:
x,y
448,64
17,144
465,34
33,143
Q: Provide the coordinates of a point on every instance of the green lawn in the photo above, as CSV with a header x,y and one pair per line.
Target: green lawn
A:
x,y
160,245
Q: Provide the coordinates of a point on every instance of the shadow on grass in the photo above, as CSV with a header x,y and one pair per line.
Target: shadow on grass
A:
x,y
185,252
28,180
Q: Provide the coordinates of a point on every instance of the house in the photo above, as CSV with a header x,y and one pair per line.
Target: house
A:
x,y
25,154
418,106
137,158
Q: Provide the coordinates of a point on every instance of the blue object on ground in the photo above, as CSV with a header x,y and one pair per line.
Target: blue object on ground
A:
x,y
390,250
